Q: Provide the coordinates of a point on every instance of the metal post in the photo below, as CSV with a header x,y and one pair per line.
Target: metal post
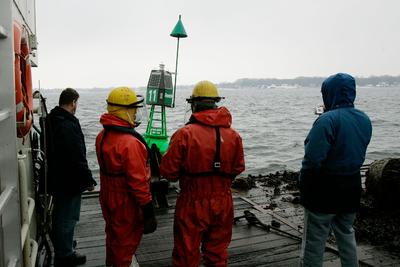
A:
x,y
176,70
177,32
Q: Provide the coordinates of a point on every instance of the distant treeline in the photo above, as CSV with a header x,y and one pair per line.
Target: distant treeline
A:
x,y
380,81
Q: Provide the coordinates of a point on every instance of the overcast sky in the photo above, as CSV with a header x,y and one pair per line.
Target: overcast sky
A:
x,y
104,43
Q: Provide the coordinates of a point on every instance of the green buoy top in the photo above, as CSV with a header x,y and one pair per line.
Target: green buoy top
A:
x,y
179,30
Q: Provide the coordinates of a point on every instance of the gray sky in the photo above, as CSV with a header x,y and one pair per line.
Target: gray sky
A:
x,y
104,43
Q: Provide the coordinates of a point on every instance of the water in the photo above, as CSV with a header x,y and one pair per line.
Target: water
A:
x,y
273,123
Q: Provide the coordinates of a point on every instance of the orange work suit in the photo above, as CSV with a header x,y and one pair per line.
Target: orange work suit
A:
x,y
204,208
124,188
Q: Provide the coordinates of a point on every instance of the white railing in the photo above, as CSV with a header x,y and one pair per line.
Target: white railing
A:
x,y
12,262
27,208
25,226
34,252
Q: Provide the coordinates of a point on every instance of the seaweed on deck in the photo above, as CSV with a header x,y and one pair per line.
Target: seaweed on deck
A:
x,y
377,226
373,225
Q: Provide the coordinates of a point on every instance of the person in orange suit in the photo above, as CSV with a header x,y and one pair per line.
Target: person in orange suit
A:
x,y
205,156
125,196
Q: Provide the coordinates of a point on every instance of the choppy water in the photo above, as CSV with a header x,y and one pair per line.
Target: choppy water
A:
x,y
272,122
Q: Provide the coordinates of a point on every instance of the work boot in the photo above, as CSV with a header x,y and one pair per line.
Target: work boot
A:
x,y
72,260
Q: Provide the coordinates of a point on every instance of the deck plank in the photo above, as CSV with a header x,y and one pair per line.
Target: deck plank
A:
x,y
250,246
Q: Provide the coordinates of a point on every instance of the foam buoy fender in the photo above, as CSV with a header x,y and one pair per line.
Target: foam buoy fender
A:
x,y
23,81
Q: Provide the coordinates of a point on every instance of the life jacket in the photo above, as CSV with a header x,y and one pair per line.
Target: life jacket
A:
x,y
121,129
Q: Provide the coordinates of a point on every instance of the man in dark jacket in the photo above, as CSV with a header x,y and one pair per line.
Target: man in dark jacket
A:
x,y
69,175
330,181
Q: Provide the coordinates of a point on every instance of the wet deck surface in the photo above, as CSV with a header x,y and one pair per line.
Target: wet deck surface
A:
x,y
250,246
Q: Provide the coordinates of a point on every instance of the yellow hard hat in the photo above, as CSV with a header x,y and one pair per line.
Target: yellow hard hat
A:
x,y
205,90
123,103
123,97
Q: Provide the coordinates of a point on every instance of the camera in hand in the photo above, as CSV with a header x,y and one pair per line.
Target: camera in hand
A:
x,y
319,110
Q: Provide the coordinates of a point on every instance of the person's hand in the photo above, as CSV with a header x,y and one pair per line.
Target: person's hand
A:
x,y
90,188
150,225
150,221
319,109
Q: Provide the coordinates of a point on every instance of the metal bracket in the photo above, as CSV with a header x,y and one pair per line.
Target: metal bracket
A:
x,y
273,214
5,197
12,262
32,41
3,33
4,114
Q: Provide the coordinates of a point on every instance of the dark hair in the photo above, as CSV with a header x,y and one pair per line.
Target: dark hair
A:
x,y
68,96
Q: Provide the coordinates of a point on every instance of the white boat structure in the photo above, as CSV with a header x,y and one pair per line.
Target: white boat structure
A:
x,y
18,53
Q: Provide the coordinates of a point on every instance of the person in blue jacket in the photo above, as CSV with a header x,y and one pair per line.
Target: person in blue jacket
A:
x,y
330,180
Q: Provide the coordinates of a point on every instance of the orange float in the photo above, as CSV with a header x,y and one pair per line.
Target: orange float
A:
x,y
23,81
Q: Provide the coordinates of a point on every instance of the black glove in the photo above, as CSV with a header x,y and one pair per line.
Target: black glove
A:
x,y
150,222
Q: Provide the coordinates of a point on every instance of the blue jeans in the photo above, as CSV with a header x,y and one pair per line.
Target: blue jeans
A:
x,y
65,216
317,227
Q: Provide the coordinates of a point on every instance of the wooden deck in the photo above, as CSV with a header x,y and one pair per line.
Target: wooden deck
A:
x,y
250,246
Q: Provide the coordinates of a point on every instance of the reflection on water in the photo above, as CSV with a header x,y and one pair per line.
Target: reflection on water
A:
x,y
272,122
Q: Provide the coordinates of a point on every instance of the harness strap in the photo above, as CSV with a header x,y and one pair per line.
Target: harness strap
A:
x,y
131,131
210,173
217,160
103,168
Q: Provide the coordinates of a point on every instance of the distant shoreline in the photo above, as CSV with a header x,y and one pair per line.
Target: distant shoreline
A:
x,y
372,81
270,83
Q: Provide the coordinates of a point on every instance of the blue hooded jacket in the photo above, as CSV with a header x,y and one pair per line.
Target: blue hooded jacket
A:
x,y
335,150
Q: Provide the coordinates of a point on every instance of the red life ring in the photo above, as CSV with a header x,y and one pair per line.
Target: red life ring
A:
x,y
23,81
